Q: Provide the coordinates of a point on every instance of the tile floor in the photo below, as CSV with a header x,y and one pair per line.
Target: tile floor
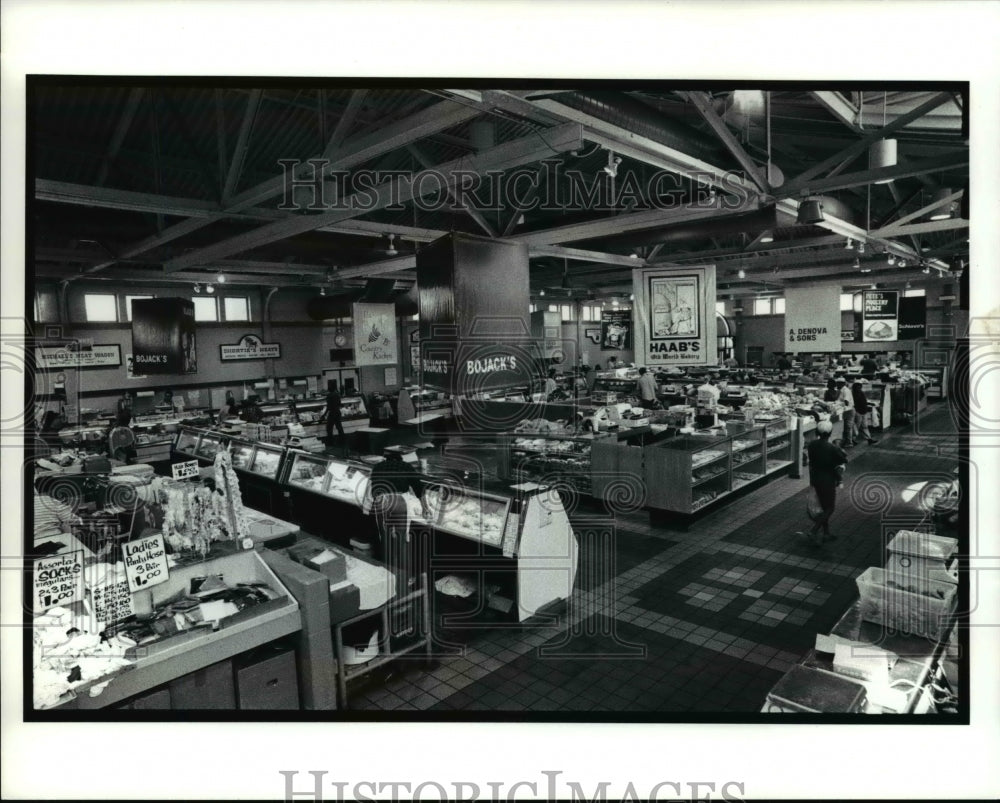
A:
x,y
699,620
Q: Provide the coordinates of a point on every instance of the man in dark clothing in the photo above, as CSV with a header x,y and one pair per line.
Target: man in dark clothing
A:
x,y
389,481
784,364
332,413
869,367
826,465
861,414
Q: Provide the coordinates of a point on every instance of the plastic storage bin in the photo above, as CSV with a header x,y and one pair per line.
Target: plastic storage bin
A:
x,y
905,610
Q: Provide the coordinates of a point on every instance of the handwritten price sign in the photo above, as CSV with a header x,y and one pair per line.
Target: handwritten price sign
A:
x,y
145,562
58,580
183,471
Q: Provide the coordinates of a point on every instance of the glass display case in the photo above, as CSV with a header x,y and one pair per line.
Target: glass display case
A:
x,y
748,453
778,441
242,453
469,514
209,445
687,472
267,460
533,456
353,407
307,471
415,400
187,441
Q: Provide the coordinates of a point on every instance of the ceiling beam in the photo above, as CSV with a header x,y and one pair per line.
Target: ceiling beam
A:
x,y
345,122
926,210
862,144
470,210
703,104
124,124
125,200
897,230
938,164
584,255
530,149
242,143
839,107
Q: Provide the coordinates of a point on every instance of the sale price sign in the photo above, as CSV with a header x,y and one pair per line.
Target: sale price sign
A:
x,y
58,580
185,470
145,562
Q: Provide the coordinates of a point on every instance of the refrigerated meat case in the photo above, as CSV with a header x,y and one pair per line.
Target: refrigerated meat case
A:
x,y
516,539
307,412
257,465
416,400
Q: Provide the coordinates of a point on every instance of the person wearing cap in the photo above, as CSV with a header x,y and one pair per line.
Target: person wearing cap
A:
x,y
826,466
862,414
846,398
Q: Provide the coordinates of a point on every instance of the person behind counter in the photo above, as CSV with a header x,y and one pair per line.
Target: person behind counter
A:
x,y
389,482
229,407
332,414
646,388
862,414
121,439
869,367
832,393
124,405
612,363
550,383
250,411
783,364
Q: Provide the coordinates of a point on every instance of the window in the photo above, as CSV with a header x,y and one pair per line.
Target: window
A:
x,y
846,302
720,307
101,306
762,306
206,308
856,303
128,305
533,308
916,292
553,308
779,306
237,308
568,313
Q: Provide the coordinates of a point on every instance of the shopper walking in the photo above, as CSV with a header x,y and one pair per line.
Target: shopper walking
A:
x,y
826,467
846,398
862,414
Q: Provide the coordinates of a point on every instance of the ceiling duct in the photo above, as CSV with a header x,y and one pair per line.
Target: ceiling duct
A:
x,y
325,308
408,303
752,222
638,118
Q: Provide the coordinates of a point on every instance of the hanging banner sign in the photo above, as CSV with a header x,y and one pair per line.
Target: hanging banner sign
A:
x,y
616,330
375,334
58,580
250,347
675,316
145,562
812,318
879,315
913,318
78,355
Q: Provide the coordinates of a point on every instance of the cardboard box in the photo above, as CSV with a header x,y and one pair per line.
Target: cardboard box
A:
x,y
329,563
345,602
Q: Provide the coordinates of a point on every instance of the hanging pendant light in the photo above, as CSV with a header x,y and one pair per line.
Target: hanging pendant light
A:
x,y
945,207
883,153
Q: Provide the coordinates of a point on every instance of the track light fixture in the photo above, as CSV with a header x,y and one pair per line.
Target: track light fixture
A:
x,y
210,289
767,237
849,245
197,287
221,278
902,262
542,292
857,264
611,168
891,259
861,247
741,273
391,250
322,291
